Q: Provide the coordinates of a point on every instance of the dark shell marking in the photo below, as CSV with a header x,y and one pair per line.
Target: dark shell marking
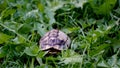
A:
x,y
54,39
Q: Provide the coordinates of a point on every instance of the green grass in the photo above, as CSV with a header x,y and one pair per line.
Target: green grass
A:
x,y
92,25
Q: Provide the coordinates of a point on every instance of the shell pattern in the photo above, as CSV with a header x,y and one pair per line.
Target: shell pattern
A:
x,y
54,39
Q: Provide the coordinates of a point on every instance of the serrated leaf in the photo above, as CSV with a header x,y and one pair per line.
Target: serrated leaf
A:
x,y
73,59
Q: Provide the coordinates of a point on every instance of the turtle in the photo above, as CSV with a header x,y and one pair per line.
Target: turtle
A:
x,y
54,41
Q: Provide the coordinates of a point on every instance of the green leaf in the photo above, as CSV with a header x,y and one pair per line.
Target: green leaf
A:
x,y
20,47
40,28
79,3
112,61
73,59
44,66
4,38
117,10
3,51
25,28
50,15
32,50
40,56
115,44
103,64
70,57
70,30
104,6
18,40
55,5
3,5
41,7
7,12
98,50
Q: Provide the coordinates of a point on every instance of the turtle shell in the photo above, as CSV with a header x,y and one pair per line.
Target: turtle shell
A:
x,y
54,40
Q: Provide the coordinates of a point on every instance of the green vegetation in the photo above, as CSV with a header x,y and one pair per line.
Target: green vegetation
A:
x,y
92,25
